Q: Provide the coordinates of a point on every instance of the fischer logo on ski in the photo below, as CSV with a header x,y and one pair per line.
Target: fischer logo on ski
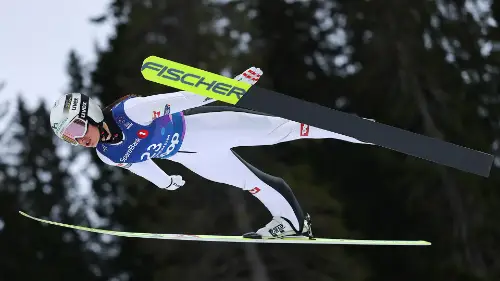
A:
x,y
190,79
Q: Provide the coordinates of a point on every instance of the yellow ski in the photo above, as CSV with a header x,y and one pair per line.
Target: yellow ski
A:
x,y
232,239
187,78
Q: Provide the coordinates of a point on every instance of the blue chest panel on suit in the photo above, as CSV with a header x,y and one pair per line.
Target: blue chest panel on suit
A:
x,y
160,139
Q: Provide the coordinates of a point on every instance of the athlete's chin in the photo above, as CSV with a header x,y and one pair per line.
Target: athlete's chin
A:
x,y
94,143
91,143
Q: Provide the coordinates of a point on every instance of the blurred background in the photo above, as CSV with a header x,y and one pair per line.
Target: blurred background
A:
x,y
427,66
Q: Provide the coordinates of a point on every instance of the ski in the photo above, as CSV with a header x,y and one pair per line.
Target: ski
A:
x,y
235,239
225,89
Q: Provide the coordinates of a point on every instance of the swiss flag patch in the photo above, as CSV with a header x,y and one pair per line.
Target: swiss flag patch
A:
x,y
142,134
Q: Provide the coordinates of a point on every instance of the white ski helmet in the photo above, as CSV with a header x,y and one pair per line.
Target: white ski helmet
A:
x,y
71,114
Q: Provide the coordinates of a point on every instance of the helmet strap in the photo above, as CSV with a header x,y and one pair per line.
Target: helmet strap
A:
x,y
112,133
102,132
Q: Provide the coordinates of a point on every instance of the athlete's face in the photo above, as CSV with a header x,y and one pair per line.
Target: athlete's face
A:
x,y
91,138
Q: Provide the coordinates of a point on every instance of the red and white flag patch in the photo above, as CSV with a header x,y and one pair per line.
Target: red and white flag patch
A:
x,y
304,130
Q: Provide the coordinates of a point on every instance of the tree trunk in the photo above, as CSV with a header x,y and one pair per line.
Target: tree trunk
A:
x,y
258,268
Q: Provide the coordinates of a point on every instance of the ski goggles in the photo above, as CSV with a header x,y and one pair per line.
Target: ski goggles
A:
x,y
77,128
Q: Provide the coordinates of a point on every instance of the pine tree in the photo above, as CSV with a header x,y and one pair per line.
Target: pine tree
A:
x,y
94,207
203,206
419,66
76,73
36,184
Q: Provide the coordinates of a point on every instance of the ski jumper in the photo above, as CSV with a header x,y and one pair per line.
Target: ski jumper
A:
x,y
173,126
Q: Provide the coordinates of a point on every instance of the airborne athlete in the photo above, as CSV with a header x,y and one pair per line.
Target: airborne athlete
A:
x,y
178,127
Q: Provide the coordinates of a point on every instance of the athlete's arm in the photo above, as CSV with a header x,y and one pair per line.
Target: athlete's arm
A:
x,y
143,110
149,171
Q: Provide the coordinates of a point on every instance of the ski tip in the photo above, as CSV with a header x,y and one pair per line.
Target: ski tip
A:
x,y
149,58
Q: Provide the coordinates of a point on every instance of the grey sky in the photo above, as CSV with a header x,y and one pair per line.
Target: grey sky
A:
x,y
36,37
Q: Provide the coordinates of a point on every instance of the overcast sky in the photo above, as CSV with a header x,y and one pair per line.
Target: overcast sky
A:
x,y
35,38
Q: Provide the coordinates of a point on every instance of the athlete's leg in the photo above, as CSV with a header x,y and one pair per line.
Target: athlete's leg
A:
x,y
229,168
227,127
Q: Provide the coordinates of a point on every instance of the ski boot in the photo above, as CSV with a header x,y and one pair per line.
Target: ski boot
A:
x,y
280,227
